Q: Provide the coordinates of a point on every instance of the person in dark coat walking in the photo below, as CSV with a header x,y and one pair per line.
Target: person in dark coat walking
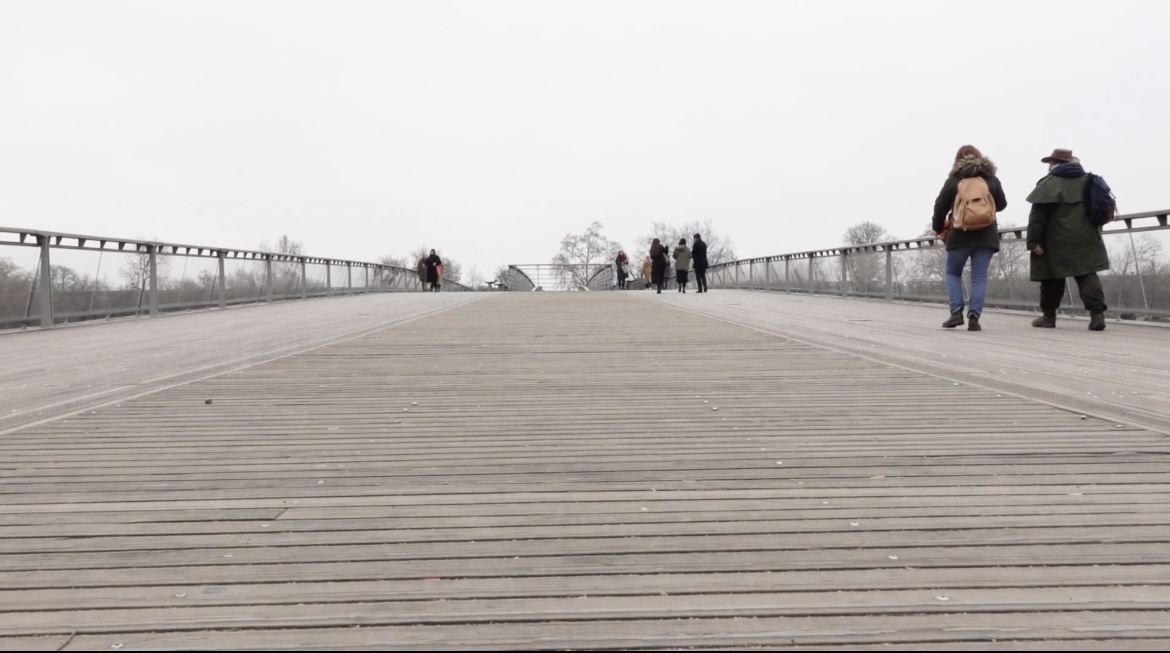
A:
x,y
1064,243
434,269
658,257
977,243
699,261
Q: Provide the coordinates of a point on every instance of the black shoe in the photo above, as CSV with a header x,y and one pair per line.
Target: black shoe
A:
x,y
1046,321
956,320
973,323
1097,322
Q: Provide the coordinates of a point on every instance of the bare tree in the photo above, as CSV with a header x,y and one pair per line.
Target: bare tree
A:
x,y
286,274
1132,264
1012,263
474,279
397,261
866,233
64,279
582,254
9,269
720,248
452,269
867,270
136,270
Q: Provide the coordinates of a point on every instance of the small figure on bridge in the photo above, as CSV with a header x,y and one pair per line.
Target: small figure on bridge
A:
x,y
434,271
647,270
658,256
682,264
699,261
965,219
1064,242
622,266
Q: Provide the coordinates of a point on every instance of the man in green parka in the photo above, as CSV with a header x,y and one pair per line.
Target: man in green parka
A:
x,y
1063,242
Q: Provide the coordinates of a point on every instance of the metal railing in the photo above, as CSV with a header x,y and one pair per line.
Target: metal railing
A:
x,y
914,270
516,280
559,277
47,306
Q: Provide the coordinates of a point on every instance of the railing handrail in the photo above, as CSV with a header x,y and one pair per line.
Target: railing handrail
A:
x,y
84,242
927,242
400,277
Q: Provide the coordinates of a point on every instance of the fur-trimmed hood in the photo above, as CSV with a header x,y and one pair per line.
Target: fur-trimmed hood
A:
x,y
973,166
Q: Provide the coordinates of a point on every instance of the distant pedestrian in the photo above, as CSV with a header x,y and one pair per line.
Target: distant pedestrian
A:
x,y
658,256
682,264
699,262
647,270
434,271
622,267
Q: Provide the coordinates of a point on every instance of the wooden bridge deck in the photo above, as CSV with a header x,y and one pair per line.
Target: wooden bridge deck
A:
x,y
584,470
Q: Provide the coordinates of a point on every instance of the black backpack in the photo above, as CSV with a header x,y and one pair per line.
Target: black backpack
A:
x,y
1100,204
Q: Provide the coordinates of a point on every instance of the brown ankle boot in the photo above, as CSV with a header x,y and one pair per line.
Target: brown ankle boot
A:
x,y
1096,322
1046,321
955,320
973,323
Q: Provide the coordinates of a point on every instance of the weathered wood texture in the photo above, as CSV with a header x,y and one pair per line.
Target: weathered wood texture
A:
x,y
584,470
1122,372
47,374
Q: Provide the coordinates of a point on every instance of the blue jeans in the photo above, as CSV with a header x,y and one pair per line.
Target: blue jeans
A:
x,y
980,256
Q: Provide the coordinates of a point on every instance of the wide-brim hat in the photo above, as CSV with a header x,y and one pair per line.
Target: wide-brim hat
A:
x,y
1062,156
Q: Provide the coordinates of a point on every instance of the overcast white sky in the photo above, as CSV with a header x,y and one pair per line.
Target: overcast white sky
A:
x,y
490,129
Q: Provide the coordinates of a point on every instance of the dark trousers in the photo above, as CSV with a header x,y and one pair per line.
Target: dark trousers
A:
x,y
1089,285
659,274
701,278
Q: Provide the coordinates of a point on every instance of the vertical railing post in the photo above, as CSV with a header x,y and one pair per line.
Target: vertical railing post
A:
x,y
349,278
328,279
737,266
812,268
844,271
767,275
46,284
889,274
268,278
153,253
222,280
367,268
304,279
787,275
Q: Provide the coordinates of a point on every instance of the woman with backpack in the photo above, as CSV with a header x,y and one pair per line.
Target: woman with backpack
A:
x,y
965,219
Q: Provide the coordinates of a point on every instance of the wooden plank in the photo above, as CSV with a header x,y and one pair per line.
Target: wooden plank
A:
x,y
632,514
262,548
215,568
673,535
589,608
38,643
893,629
643,585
